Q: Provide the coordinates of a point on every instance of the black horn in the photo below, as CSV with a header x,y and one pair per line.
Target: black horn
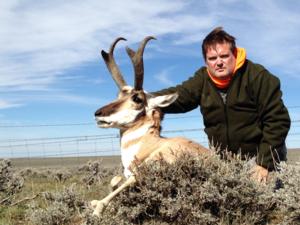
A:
x,y
138,64
111,64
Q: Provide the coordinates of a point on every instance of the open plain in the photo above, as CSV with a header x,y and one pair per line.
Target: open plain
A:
x,y
48,191
106,161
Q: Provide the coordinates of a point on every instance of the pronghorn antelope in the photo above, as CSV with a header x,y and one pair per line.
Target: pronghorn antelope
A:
x,y
138,116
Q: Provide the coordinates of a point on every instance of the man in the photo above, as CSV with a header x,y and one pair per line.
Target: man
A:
x,y
240,101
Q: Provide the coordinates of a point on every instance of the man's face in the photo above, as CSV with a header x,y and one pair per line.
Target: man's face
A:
x,y
220,61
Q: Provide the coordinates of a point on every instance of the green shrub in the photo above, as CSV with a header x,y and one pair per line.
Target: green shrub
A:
x,y
206,190
10,182
59,208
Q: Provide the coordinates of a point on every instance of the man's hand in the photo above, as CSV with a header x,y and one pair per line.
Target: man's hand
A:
x,y
259,174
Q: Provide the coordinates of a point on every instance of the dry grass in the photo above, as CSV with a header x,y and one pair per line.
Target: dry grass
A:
x,y
47,190
204,190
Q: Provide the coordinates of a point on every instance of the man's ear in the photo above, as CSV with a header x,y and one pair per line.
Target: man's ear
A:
x,y
162,100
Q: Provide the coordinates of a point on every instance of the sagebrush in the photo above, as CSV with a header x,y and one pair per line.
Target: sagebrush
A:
x,y
202,190
206,190
10,182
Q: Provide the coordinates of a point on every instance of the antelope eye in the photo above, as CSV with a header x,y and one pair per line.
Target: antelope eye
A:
x,y
135,98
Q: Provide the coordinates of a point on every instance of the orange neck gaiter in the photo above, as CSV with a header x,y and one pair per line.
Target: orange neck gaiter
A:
x,y
240,60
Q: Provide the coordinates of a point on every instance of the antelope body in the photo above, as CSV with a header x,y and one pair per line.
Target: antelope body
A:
x,y
138,116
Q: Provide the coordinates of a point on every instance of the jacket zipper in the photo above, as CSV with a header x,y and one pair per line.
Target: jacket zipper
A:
x,y
224,109
225,106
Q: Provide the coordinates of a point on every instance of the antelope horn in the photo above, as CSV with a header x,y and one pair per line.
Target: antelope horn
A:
x,y
111,64
138,64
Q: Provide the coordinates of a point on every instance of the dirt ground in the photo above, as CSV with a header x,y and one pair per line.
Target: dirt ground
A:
x,y
108,161
69,162
294,156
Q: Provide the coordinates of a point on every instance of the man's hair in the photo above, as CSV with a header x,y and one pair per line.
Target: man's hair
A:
x,y
217,36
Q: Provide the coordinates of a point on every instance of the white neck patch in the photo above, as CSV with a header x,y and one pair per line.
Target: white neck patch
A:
x,y
128,153
135,134
128,156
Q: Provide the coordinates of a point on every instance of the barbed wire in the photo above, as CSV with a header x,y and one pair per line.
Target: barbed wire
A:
x,y
93,123
88,145
88,124
60,137
10,143
92,144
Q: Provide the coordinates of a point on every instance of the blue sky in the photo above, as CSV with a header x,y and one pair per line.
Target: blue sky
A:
x,y
52,77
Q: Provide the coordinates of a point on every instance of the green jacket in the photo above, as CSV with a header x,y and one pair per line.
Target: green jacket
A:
x,y
252,120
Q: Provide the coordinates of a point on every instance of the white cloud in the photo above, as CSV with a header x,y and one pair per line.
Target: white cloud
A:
x,y
269,30
40,40
7,104
46,38
50,96
163,77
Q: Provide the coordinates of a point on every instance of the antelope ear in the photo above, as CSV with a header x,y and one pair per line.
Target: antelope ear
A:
x,y
162,100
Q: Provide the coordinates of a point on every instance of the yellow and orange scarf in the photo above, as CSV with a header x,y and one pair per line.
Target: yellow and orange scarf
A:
x,y
240,60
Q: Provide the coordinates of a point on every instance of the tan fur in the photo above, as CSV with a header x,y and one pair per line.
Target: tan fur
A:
x,y
153,147
134,112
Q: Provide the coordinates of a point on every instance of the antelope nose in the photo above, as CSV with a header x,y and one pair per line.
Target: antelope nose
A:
x,y
99,112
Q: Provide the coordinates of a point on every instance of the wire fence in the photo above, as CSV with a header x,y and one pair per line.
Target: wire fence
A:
x,y
90,145
62,147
